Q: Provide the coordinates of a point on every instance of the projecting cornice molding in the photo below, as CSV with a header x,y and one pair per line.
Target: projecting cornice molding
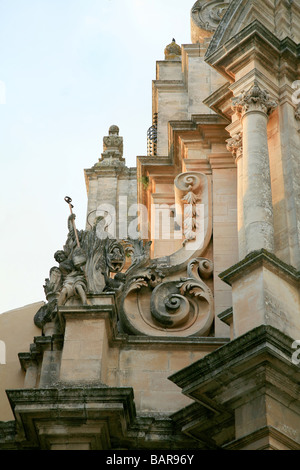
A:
x,y
254,42
243,13
254,365
259,258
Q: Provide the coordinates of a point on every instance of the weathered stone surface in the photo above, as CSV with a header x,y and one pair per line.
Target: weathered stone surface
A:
x,y
221,319
244,393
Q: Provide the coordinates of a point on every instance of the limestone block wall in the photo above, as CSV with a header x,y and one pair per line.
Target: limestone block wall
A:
x,y
146,368
180,88
94,353
200,79
115,188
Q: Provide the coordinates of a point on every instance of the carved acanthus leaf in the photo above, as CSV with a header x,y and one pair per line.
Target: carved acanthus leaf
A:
x,y
253,99
174,305
235,145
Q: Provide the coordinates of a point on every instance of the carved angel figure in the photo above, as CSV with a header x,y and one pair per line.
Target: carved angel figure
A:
x,y
73,279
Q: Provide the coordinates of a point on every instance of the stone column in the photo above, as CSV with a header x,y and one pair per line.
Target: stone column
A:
x,y
253,108
235,145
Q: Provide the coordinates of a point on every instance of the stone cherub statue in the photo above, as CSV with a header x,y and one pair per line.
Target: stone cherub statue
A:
x,y
72,278
84,266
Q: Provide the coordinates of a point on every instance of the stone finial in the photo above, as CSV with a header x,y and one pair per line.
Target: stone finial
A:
x,y
173,51
113,130
255,99
112,148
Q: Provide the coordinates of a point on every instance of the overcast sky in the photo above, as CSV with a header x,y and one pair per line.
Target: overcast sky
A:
x,y
68,70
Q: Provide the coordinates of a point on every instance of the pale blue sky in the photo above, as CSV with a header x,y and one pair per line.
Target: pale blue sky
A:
x,y
71,68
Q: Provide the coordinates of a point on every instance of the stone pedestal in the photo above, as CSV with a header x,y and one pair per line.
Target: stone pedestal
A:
x,y
265,291
87,330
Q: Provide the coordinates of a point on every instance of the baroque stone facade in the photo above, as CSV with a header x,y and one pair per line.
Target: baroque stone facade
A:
x,y
172,320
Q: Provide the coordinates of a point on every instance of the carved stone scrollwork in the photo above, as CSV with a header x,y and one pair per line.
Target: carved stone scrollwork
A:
x,y
155,305
84,267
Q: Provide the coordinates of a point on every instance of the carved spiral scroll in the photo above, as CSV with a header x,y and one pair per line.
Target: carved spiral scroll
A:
x,y
154,306
186,181
168,306
200,268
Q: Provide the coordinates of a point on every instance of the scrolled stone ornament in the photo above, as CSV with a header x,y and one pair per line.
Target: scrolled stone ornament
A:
x,y
153,305
188,181
168,307
200,268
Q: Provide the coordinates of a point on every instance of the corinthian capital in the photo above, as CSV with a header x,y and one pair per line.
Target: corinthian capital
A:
x,y
235,145
255,99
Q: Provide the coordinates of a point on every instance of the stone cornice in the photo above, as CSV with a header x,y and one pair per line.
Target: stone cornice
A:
x,y
226,316
262,434
254,41
256,259
237,351
220,100
255,365
169,85
105,417
107,311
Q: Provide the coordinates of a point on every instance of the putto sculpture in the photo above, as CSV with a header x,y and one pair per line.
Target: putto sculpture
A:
x,y
149,299
84,267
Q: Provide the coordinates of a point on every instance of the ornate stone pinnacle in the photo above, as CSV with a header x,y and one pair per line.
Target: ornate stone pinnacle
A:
x,y
112,148
253,99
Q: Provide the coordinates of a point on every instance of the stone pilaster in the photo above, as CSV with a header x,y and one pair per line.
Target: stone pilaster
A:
x,y
253,108
235,145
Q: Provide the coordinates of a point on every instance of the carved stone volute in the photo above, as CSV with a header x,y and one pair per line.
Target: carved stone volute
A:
x,y
155,304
